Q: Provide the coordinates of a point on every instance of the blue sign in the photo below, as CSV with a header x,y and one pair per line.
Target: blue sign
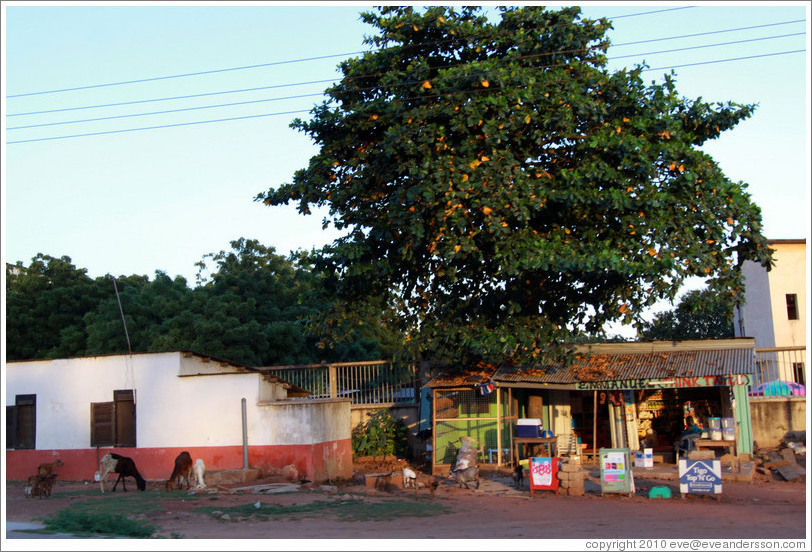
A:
x,y
700,476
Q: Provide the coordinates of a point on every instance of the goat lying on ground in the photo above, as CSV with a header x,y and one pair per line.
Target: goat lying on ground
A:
x,y
124,467
181,471
47,469
200,471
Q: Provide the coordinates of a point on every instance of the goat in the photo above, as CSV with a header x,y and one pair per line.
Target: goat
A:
x,y
518,475
124,467
181,471
463,476
199,471
34,486
47,469
409,478
46,484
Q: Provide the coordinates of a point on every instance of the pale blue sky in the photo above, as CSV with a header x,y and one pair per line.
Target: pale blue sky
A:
x,y
137,202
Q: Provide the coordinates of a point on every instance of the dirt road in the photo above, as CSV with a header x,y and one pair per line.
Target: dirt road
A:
x,y
763,509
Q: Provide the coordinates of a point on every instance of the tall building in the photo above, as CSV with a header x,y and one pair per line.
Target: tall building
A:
x,y
774,312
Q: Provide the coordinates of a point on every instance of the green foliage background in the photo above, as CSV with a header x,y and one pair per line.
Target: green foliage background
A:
x,y
255,308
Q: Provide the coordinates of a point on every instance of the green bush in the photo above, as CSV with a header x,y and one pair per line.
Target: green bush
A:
x,y
381,435
87,523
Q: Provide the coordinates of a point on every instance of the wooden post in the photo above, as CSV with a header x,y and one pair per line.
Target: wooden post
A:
x,y
498,391
594,422
433,430
333,375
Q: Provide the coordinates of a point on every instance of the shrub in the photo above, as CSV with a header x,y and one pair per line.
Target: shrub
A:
x,y
381,435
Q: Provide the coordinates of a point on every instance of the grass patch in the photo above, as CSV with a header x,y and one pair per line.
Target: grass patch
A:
x,y
83,523
344,510
111,514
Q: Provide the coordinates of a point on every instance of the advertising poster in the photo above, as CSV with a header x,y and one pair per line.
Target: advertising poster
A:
x,y
700,476
614,466
543,473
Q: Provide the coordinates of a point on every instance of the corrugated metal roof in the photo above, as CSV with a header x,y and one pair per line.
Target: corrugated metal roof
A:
x,y
463,377
643,365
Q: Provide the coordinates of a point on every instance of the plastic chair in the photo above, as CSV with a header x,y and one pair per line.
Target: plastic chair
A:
x,y
685,445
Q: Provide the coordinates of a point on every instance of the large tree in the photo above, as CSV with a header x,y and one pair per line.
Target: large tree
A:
x,y
508,190
700,314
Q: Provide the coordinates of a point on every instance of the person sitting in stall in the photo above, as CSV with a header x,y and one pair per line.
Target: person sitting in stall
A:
x,y
686,441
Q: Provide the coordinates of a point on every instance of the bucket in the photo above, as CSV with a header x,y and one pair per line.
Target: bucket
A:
x,y
714,423
727,423
716,434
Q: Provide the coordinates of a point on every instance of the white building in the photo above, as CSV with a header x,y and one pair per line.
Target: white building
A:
x,y
152,406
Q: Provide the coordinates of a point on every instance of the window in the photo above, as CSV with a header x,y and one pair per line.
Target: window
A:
x,y
799,373
792,306
113,423
21,423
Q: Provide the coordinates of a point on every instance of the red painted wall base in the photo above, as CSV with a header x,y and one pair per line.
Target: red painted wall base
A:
x,y
319,462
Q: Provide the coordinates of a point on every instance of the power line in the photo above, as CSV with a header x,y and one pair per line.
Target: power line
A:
x,y
236,91
159,126
306,110
265,100
255,66
180,76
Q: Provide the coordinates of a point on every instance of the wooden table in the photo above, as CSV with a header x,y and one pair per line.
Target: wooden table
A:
x,y
548,442
729,446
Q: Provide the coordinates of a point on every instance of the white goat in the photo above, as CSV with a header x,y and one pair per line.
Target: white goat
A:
x,y
409,478
108,465
199,471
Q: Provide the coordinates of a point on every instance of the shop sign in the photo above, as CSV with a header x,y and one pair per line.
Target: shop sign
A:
x,y
700,476
669,383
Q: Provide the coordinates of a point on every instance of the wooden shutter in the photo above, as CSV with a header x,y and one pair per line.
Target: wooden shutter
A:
x,y
26,421
11,427
125,417
102,427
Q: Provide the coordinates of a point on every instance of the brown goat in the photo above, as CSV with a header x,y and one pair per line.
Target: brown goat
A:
x,y
181,471
47,469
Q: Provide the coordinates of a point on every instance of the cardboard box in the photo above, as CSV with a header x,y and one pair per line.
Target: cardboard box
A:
x,y
644,458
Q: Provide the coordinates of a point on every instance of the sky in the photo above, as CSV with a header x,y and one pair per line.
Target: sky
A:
x,y
121,200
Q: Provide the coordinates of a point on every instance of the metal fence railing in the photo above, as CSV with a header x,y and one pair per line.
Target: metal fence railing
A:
x,y
371,382
780,371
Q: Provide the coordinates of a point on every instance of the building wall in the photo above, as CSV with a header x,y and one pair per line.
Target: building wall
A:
x,y
764,314
772,418
789,276
198,413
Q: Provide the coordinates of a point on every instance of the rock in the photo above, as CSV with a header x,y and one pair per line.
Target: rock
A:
x,y
331,489
290,473
789,455
569,467
789,472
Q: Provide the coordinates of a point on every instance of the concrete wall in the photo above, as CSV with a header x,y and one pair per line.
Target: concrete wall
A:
x,y
176,410
764,314
772,418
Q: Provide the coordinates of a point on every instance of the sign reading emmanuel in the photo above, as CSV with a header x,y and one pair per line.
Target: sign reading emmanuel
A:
x,y
700,476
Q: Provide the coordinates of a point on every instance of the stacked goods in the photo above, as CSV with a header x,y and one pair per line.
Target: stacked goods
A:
x,y
571,478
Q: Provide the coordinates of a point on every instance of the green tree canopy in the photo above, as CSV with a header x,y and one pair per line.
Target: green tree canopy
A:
x,y
251,306
505,191
700,314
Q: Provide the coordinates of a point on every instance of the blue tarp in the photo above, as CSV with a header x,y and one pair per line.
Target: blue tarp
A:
x,y
778,388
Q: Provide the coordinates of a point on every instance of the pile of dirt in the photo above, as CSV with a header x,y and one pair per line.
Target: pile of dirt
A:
x,y
378,464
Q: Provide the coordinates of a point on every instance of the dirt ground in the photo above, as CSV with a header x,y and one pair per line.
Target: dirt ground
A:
x,y
763,509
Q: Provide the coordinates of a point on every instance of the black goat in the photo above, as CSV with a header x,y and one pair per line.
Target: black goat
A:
x,y
124,467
